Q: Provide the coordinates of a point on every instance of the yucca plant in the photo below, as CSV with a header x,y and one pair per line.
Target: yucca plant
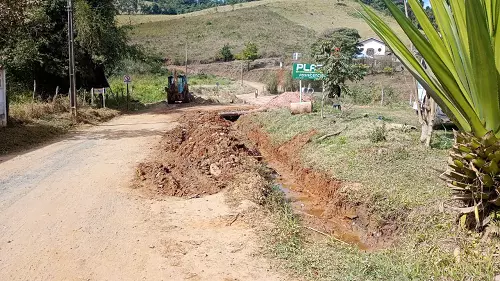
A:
x,y
463,77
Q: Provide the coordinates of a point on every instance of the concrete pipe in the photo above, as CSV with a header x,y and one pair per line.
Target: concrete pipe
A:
x,y
301,107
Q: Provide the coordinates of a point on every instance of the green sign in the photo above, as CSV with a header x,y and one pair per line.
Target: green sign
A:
x,y
306,71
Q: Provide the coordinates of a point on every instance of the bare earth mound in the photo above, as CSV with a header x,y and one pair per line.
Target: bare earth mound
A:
x,y
200,157
285,99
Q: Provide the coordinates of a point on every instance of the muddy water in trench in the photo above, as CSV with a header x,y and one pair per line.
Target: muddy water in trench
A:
x,y
309,193
313,211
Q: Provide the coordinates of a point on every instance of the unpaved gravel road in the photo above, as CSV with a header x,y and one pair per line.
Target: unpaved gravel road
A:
x,y
250,98
68,212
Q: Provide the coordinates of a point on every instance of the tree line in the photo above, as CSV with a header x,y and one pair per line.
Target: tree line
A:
x,y
381,6
34,43
170,7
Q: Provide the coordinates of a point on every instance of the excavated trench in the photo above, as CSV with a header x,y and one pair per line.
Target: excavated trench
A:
x,y
207,154
316,196
313,215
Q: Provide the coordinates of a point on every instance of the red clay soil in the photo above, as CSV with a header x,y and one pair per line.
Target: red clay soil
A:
x,y
328,208
199,157
207,154
286,160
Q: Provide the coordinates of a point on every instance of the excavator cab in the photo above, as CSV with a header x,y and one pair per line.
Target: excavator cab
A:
x,y
178,89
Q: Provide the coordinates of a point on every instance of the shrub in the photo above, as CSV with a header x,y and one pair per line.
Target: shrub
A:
x,y
442,141
272,84
378,134
388,70
251,52
146,66
390,96
290,84
360,95
225,54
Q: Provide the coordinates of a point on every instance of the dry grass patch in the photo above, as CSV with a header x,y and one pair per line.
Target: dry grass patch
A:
x,y
39,122
139,19
207,34
321,15
279,28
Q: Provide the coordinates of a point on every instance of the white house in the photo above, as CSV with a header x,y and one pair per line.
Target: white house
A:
x,y
372,47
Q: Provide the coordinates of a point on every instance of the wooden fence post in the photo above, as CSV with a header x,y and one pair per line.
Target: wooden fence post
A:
x,y
34,90
55,96
382,100
104,98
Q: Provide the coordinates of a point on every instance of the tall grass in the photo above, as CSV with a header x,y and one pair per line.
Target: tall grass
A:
x,y
398,185
150,88
32,123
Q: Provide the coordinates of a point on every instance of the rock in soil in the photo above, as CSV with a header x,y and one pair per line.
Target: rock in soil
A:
x,y
200,157
215,170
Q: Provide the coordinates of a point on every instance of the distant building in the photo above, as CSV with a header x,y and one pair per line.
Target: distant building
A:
x,y
372,47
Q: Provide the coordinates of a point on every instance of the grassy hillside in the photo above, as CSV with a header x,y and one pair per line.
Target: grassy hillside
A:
x,y
206,34
278,27
138,19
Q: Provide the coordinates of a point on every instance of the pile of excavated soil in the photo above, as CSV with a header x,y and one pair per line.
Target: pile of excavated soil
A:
x,y
200,157
285,99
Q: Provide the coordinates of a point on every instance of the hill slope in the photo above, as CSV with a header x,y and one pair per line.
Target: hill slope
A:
x,y
138,19
278,27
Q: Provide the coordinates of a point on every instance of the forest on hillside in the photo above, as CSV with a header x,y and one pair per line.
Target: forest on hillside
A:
x,y
34,44
170,7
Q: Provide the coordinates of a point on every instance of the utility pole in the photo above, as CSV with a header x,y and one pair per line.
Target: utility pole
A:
x,y
242,74
71,52
186,57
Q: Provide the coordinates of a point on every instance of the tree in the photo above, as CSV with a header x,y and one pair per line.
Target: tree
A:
x,y
225,53
336,50
463,77
14,13
97,33
35,47
250,52
127,6
346,39
179,6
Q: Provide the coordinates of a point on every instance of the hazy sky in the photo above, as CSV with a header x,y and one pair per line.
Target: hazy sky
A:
x,y
426,2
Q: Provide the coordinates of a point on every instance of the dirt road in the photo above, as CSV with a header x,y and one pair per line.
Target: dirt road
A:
x,y
68,212
251,99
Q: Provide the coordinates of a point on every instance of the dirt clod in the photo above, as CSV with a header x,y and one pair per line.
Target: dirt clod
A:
x,y
200,157
215,170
